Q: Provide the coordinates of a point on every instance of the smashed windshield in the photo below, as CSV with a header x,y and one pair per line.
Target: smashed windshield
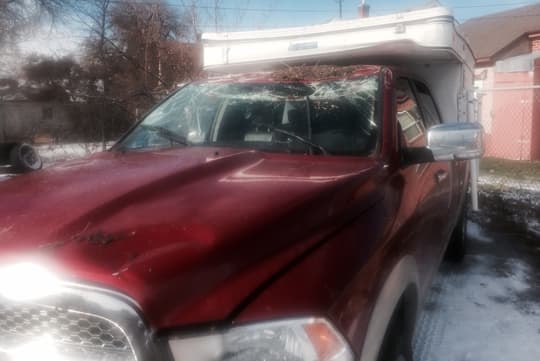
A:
x,y
333,117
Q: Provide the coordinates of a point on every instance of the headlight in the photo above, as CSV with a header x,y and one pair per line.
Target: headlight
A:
x,y
310,339
45,318
27,281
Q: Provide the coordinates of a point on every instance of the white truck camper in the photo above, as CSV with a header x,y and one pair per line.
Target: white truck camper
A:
x,y
425,43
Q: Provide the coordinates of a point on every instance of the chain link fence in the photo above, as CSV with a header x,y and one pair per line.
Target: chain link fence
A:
x,y
511,119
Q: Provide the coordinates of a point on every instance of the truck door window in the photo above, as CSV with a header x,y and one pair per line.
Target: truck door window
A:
x,y
409,116
427,104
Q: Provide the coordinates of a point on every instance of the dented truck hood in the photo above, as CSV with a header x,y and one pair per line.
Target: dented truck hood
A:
x,y
187,233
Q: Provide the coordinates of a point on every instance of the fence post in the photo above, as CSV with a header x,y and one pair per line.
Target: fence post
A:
x,y
475,166
475,163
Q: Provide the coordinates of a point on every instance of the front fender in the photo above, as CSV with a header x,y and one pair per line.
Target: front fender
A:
x,y
403,275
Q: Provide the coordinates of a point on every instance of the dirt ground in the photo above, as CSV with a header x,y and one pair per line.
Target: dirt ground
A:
x,y
488,307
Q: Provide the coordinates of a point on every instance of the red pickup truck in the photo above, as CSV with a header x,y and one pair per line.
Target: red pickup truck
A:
x,y
293,215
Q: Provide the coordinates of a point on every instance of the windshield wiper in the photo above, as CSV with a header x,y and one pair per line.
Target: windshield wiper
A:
x,y
166,133
294,136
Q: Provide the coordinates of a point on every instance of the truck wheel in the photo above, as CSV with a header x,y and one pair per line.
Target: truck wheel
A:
x,y
457,248
24,158
397,344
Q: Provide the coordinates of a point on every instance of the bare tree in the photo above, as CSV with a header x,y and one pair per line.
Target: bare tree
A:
x,y
137,51
216,6
193,18
17,15
50,79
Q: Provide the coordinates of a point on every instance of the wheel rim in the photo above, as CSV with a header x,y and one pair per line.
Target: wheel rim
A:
x,y
30,157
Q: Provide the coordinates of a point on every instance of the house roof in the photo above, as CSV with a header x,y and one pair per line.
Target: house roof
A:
x,y
489,34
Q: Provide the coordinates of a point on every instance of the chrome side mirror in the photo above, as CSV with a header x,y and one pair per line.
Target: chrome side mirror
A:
x,y
456,141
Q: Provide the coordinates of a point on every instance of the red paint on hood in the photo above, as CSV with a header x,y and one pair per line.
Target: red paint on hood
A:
x,y
188,233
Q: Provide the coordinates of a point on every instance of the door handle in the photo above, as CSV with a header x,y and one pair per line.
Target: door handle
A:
x,y
441,176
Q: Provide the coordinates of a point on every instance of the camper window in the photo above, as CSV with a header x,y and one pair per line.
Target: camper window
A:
x,y
408,115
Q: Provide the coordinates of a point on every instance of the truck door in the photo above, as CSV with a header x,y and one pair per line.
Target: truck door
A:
x,y
427,187
456,169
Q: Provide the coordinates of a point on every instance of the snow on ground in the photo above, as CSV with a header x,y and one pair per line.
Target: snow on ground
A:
x,y
531,185
57,153
478,315
534,227
488,308
476,232
4,173
62,152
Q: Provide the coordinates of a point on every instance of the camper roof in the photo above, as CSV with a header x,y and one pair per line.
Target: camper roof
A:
x,y
418,37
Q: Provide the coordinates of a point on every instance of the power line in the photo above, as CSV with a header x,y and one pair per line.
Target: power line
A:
x,y
234,8
328,11
489,5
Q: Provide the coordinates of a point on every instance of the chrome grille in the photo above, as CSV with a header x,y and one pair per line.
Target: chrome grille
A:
x,y
79,335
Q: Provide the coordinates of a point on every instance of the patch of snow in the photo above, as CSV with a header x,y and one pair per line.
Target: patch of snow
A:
x,y
475,231
4,177
506,183
57,153
63,152
480,312
514,195
533,226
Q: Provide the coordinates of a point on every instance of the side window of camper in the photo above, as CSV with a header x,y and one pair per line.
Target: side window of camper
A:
x,y
409,116
427,104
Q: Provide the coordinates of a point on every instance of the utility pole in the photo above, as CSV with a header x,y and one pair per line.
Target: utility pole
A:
x,y
216,7
340,2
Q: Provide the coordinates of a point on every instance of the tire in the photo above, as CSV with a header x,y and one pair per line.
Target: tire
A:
x,y
457,247
24,158
397,344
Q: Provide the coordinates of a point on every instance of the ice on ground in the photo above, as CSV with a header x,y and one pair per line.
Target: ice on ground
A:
x,y
486,309
475,231
479,317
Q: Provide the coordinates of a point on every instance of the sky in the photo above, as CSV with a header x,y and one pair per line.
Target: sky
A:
x,y
65,38
317,11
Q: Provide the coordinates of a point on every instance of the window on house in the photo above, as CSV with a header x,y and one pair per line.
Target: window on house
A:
x,y
47,113
408,115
